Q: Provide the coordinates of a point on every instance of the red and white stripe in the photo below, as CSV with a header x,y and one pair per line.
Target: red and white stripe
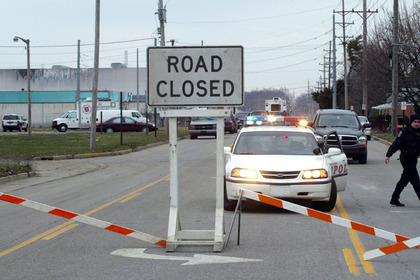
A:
x,y
404,245
322,216
83,219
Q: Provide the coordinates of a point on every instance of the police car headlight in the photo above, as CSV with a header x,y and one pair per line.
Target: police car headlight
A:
x,y
244,173
315,174
362,141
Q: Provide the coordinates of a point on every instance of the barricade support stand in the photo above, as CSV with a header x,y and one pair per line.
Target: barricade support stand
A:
x,y
238,211
176,234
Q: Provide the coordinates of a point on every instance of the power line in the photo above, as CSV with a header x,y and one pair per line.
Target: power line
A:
x,y
75,45
286,66
287,55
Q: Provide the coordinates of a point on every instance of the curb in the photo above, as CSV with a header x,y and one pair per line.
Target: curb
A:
x,y
16,177
382,140
116,153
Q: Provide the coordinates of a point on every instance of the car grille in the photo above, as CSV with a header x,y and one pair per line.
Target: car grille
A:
x,y
280,175
204,126
346,140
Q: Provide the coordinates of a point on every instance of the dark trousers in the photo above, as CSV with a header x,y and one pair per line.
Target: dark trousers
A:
x,y
409,175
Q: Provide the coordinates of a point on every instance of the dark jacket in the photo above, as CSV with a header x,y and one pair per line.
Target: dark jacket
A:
x,y
407,141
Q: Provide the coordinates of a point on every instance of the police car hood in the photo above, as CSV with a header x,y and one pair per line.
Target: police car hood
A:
x,y
339,130
278,163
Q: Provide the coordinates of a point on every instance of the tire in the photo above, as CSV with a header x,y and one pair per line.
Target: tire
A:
x,y
193,137
109,130
368,137
363,159
228,205
62,128
25,129
327,206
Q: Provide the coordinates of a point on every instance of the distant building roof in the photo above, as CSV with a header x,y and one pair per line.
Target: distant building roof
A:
x,y
57,96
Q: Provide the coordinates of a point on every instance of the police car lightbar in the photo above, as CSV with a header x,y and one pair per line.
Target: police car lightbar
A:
x,y
275,120
255,120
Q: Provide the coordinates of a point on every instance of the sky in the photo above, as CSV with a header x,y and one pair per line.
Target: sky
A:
x,y
286,43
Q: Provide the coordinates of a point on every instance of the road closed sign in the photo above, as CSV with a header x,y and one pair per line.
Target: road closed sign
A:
x,y
195,76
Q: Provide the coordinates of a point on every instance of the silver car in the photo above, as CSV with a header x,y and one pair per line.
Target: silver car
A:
x,y
14,122
202,126
368,130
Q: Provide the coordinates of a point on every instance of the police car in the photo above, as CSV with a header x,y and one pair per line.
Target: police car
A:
x,y
285,162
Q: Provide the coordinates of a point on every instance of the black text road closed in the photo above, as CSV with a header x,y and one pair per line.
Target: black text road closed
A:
x,y
195,76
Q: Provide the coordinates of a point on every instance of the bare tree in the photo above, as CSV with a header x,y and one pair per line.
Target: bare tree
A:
x,y
379,53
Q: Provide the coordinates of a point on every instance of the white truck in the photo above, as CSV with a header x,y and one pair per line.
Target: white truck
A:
x,y
105,111
276,106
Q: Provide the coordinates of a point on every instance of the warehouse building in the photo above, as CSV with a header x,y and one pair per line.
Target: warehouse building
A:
x,y
54,91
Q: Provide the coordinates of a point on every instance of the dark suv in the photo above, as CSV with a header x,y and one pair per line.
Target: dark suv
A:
x,y
349,130
14,121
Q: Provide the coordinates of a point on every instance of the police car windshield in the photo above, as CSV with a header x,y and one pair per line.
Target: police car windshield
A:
x,y
276,143
349,121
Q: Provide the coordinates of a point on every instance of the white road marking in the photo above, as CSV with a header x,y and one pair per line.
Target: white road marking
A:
x,y
414,211
196,259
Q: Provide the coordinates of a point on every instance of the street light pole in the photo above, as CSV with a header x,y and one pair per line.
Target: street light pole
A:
x,y
26,41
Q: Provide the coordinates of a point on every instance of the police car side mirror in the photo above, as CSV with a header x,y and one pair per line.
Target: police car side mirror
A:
x,y
317,151
366,125
227,150
333,152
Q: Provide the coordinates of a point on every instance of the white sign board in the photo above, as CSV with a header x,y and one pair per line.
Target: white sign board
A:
x,y
195,76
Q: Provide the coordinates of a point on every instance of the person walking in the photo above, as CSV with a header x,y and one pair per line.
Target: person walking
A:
x,y
408,142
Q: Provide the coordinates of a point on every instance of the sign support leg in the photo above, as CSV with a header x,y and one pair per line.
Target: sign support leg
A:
x,y
174,224
220,170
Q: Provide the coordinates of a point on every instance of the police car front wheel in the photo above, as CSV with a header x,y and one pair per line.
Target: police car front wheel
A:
x,y
326,206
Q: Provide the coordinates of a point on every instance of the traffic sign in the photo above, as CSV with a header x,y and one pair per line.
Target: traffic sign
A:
x,y
195,76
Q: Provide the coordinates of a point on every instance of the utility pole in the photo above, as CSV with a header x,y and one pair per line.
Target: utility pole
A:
x,y
329,67
79,109
334,105
28,76
137,86
344,24
162,21
365,108
95,79
346,92
395,69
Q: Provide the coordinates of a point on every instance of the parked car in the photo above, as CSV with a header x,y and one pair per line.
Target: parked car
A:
x,y
239,118
368,130
230,124
202,126
128,124
284,162
14,122
350,131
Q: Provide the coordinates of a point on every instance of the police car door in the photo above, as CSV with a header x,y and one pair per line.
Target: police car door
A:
x,y
338,166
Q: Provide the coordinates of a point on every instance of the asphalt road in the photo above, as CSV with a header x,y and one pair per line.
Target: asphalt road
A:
x,y
133,191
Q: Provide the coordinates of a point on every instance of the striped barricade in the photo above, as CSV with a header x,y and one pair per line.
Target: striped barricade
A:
x,y
400,246
83,219
322,216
